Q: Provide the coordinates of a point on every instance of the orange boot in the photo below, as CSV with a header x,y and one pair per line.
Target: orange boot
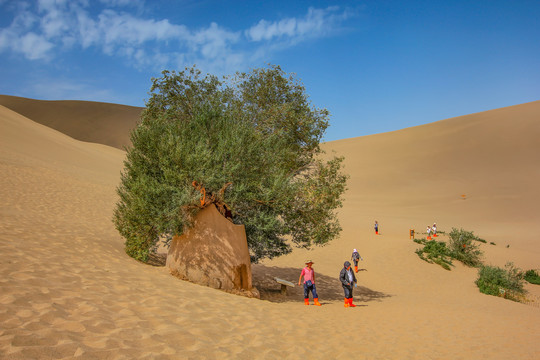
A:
x,y
356,269
316,302
306,301
346,302
350,303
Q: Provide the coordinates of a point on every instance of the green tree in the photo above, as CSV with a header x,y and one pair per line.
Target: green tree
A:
x,y
250,142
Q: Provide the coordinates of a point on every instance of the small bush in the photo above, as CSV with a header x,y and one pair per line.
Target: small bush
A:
x,y
435,252
462,248
507,282
532,277
492,243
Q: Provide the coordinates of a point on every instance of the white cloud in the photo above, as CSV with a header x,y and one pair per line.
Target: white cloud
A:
x,y
87,30
24,20
30,45
316,23
34,46
5,42
50,5
121,28
52,26
214,41
122,3
56,23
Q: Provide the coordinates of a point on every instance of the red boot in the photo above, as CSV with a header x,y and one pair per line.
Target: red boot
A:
x,y
350,303
346,302
356,269
316,302
306,301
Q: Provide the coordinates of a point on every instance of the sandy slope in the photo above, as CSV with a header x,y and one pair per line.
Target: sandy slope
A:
x,y
416,176
67,289
97,122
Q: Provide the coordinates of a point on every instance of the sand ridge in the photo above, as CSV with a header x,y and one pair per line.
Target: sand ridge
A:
x,y
68,290
97,122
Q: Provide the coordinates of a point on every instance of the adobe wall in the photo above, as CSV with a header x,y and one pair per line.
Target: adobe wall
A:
x,y
214,253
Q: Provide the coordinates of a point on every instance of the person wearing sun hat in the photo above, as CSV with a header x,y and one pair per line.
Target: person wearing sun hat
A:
x,y
348,280
309,283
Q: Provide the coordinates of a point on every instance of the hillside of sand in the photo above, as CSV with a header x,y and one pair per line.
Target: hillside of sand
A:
x,y
68,290
97,122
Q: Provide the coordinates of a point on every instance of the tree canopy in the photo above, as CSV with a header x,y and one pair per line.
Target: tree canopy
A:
x,y
248,143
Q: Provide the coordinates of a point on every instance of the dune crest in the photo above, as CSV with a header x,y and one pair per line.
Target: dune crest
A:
x,y
96,122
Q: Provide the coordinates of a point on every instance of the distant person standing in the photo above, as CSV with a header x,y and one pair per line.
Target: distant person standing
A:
x,y
348,280
376,228
309,283
428,232
434,230
355,257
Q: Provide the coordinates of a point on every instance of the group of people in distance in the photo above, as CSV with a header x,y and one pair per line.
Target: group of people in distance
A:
x,y
431,230
346,277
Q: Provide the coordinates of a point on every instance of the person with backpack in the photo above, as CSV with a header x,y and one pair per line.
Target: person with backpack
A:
x,y
309,283
355,257
348,280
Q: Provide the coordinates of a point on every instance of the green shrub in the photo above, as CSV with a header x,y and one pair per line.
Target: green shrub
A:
x,y
532,277
462,248
435,252
507,282
492,243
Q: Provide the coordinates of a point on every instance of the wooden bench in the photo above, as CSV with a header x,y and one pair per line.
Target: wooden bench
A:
x,y
284,284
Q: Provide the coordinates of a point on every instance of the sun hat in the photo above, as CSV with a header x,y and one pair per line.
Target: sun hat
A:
x,y
309,262
354,250
347,264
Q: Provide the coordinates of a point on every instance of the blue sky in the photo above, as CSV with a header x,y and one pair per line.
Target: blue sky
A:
x,y
377,66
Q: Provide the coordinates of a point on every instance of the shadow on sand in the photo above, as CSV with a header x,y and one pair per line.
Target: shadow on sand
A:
x,y
328,288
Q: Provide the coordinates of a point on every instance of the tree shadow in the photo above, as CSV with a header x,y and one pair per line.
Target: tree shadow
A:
x,y
328,288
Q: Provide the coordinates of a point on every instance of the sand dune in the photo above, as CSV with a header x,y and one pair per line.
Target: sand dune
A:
x,y
102,123
67,289
413,177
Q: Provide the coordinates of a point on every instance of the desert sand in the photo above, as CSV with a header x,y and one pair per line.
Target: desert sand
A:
x,y
68,290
